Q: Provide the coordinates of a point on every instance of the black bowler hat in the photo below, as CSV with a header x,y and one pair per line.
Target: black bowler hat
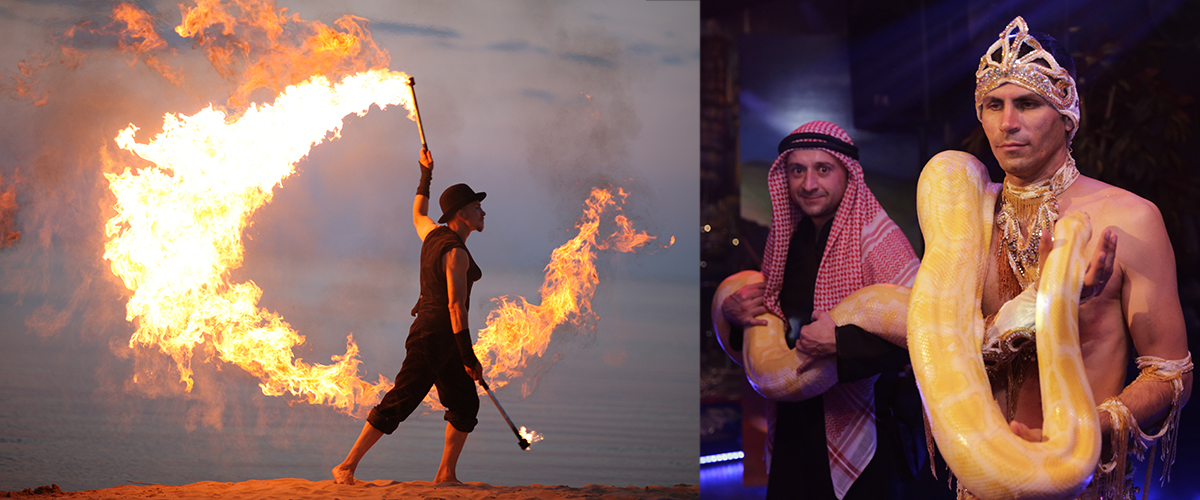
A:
x,y
454,198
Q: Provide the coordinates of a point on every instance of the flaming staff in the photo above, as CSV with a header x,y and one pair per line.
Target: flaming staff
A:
x,y
176,236
412,86
524,436
524,443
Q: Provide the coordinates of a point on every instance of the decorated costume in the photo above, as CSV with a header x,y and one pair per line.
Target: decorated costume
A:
x,y
1010,350
825,444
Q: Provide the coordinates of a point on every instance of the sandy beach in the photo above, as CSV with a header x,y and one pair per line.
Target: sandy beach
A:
x,y
303,489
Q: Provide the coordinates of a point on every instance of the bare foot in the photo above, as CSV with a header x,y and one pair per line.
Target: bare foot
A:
x,y
447,479
343,475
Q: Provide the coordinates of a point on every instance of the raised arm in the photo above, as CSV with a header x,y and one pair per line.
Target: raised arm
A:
x,y
457,263
421,220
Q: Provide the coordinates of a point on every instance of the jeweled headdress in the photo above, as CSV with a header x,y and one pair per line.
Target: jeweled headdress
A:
x,y
1018,58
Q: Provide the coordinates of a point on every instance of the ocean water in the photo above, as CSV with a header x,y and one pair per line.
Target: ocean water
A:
x,y
618,408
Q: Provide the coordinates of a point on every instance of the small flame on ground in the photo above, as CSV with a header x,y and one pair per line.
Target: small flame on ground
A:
x,y
531,435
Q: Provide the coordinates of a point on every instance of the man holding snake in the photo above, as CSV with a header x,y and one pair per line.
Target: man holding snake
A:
x,y
828,238
1026,99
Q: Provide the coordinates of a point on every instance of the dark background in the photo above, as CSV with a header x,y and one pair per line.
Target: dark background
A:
x,y
911,66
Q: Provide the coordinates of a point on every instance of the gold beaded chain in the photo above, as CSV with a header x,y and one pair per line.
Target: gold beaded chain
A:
x,y
1035,207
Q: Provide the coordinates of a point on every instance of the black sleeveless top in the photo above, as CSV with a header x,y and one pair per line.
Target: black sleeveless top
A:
x,y
433,308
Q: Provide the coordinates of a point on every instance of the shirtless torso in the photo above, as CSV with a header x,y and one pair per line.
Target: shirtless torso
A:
x,y
1137,312
1028,105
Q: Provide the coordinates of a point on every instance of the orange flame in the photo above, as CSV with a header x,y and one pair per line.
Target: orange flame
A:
x,y
176,236
253,43
531,435
518,331
299,49
140,39
8,213
177,233
134,30
23,84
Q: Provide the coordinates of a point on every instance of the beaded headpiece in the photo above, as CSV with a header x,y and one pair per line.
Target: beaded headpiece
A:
x,y
1018,58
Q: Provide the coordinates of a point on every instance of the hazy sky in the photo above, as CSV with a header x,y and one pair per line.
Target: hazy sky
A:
x,y
532,102
504,91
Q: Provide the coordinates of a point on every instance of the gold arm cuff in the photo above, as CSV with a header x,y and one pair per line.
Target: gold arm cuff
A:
x,y
1114,477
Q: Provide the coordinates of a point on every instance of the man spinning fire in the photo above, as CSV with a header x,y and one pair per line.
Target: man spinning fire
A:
x,y
439,351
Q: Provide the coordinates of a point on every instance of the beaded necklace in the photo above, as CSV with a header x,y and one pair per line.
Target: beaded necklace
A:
x,y
1034,207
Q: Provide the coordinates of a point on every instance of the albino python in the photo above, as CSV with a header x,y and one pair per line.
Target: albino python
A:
x,y
955,204
774,370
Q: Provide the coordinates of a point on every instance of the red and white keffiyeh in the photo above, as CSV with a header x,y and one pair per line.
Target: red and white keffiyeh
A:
x,y
864,248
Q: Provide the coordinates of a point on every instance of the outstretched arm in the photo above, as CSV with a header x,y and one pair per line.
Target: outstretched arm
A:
x,y
421,220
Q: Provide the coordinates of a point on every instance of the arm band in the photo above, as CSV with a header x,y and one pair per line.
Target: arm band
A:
x,y
426,178
463,339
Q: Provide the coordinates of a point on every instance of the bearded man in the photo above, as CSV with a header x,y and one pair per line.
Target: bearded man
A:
x,y
830,237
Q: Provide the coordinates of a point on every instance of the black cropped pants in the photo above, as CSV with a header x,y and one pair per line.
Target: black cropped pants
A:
x,y
432,360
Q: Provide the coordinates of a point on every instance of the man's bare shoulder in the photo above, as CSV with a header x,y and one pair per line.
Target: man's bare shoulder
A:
x,y
1109,205
1143,247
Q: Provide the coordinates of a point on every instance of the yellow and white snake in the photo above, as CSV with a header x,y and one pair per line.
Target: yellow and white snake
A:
x,y
773,368
945,327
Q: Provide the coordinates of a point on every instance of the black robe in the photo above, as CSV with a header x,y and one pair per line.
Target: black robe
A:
x,y
800,460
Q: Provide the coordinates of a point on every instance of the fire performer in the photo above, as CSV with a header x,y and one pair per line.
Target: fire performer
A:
x,y
829,237
1026,100
439,351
